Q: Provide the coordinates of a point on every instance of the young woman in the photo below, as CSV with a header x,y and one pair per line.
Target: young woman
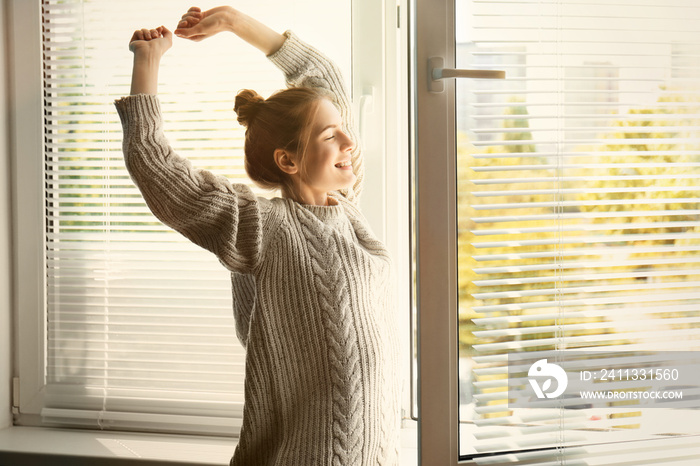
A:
x,y
312,285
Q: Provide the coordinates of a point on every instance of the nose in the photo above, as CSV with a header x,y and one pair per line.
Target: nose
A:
x,y
348,144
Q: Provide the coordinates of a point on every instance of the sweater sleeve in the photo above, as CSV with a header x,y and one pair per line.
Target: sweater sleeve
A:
x,y
223,218
304,66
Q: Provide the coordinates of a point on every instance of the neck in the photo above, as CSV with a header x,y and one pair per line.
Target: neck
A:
x,y
308,197
323,200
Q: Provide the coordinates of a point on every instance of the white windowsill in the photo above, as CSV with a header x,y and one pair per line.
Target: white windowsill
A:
x,y
59,447
37,445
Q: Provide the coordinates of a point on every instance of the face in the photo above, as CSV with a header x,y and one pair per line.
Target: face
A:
x,y
326,163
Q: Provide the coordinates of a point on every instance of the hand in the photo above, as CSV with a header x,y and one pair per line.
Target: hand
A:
x,y
157,41
197,25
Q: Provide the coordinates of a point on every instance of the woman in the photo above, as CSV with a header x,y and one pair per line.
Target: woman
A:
x,y
312,285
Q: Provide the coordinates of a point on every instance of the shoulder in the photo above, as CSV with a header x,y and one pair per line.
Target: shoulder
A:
x,y
275,214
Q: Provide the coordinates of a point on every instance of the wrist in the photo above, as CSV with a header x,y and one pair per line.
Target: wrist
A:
x,y
144,77
147,56
232,19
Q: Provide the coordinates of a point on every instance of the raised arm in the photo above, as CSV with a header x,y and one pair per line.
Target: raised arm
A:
x,y
148,46
223,218
302,64
197,25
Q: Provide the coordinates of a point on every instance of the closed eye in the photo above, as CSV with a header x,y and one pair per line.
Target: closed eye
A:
x,y
329,138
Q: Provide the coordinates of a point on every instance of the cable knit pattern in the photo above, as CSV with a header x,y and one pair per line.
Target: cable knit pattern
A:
x,y
312,292
341,339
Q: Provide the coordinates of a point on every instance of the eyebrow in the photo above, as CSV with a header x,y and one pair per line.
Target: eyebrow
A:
x,y
329,126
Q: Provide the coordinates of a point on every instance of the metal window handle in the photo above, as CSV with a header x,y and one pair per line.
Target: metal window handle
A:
x,y
437,72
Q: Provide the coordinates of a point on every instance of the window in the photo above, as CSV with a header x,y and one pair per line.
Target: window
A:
x,y
132,327
557,210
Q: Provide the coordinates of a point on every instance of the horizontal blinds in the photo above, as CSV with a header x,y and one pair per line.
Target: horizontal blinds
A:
x,y
140,332
578,209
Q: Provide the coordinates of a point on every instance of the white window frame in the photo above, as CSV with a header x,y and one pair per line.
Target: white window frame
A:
x,y
28,228
379,106
435,230
5,234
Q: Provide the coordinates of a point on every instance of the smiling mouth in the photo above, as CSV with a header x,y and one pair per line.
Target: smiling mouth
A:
x,y
344,164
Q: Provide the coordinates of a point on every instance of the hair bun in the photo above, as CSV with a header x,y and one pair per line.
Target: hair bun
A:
x,y
247,105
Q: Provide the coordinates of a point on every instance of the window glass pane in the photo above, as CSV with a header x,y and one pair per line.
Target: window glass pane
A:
x,y
578,211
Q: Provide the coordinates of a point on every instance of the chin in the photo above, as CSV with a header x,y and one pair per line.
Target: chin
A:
x,y
349,184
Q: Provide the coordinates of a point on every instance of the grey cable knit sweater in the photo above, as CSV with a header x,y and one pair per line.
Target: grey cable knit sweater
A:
x,y
312,292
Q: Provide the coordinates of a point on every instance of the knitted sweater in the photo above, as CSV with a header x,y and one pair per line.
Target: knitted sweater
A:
x,y
312,292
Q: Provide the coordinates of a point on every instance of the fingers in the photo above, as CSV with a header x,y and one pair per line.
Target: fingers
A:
x,y
136,36
148,34
145,35
165,32
187,23
189,30
191,18
191,26
194,33
194,12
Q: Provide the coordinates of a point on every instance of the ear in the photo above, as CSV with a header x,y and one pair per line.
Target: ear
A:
x,y
285,161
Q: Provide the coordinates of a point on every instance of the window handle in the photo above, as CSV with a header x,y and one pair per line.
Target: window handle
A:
x,y
437,72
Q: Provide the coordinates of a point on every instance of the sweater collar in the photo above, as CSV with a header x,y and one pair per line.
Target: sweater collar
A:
x,y
323,212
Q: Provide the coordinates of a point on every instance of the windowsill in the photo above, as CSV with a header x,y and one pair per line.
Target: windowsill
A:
x,y
38,445
58,447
